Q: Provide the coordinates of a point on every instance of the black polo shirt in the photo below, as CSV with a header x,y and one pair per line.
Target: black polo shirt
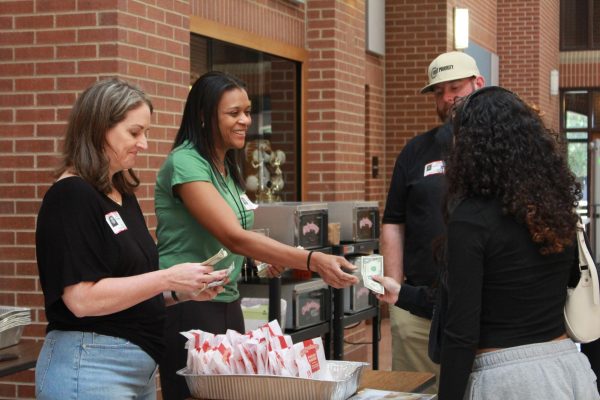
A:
x,y
415,199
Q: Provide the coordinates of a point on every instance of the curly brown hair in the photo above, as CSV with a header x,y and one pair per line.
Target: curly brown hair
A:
x,y
503,150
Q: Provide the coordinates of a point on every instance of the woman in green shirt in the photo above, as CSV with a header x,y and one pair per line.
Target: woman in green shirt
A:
x,y
201,207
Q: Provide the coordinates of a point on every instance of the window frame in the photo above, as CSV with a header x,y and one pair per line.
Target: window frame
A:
x,y
589,45
232,35
592,132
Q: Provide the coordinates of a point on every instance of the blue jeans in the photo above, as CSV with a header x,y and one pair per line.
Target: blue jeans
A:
x,y
85,365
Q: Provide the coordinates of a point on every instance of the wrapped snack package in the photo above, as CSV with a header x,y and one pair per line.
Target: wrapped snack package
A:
x,y
248,351
289,360
262,358
220,358
195,339
310,358
263,351
236,362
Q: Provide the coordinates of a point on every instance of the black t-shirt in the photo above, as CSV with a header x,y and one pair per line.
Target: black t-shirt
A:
x,y
415,199
501,291
83,236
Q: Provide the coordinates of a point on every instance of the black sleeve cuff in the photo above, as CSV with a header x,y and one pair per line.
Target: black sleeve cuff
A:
x,y
417,300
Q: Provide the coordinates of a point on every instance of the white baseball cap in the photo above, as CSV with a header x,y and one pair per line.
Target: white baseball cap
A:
x,y
450,67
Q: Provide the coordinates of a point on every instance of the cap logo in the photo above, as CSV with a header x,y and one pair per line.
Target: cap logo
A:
x,y
448,67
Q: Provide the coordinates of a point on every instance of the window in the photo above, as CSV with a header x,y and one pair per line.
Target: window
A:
x,y
579,24
579,121
272,152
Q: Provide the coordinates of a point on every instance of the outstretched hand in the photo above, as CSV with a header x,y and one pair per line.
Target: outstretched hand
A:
x,y
269,270
392,289
331,269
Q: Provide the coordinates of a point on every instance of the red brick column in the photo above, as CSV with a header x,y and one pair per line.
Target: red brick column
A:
x,y
375,188
49,52
528,51
336,104
414,37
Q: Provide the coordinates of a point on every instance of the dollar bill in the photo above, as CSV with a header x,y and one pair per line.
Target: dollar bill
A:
x,y
221,254
262,270
369,266
214,259
219,283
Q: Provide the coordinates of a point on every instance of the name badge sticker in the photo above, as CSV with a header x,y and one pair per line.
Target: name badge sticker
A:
x,y
433,168
248,204
114,220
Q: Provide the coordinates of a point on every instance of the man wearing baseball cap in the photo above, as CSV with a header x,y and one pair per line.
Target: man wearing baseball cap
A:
x,y
412,219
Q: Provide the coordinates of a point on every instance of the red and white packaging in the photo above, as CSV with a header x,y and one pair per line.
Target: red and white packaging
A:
x,y
271,329
196,339
310,358
262,357
289,360
262,351
248,352
279,343
220,357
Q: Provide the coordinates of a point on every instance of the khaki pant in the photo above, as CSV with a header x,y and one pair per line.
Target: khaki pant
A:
x,y
410,337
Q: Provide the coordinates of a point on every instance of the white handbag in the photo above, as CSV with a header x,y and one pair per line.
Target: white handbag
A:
x,y
582,308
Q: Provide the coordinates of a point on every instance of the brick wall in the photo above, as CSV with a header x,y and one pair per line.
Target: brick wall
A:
x,y
549,22
283,123
528,51
579,69
50,51
416,32
281,20
375,188
482,21
336,78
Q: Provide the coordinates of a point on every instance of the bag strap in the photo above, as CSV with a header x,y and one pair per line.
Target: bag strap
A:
x,y
586,260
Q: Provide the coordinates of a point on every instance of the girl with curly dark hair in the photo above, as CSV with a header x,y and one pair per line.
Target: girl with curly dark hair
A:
x,y
510,253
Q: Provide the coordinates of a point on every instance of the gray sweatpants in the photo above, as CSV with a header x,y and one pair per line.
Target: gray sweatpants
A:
x,y
549,371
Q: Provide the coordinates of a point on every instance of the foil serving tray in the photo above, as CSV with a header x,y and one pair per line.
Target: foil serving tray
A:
x,y
346,378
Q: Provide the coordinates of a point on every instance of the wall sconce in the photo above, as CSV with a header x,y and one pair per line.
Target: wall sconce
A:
x,y
461,28
554,82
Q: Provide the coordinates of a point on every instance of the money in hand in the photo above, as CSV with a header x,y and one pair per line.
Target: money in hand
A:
x,y
221,254
369,266
262,270
219,283
211,261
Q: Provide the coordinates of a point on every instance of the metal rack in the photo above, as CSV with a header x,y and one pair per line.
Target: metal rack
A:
x,y
339,319
310,332
333,330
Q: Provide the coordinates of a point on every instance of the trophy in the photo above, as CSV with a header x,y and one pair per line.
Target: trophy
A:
x,y
267,182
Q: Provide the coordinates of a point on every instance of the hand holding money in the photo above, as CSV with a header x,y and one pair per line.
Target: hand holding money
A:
x,y
392,289
265,270
222,281
221,254
372,266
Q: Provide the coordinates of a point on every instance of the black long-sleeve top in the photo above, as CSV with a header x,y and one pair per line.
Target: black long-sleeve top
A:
x,y
501,291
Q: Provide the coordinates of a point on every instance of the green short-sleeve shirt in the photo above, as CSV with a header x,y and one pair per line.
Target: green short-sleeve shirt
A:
x,y
180,237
